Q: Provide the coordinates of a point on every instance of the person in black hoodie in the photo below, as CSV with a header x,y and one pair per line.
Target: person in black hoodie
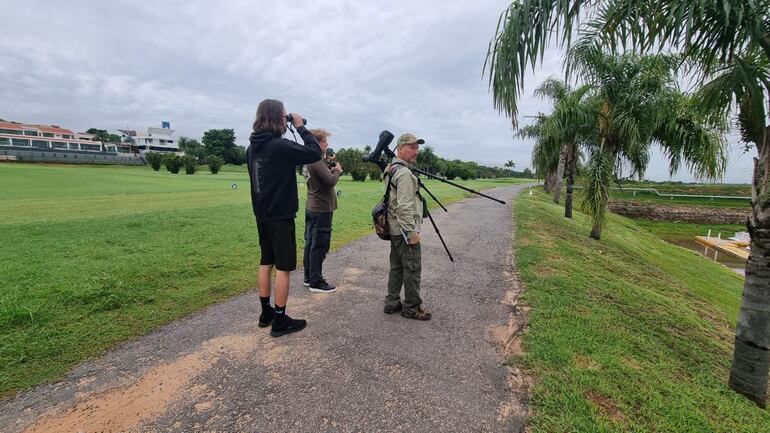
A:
x,y
272,162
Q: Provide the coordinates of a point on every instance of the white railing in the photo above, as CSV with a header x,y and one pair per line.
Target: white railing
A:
x,y
672,195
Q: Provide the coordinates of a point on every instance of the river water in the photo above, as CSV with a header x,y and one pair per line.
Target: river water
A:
x,y
737,265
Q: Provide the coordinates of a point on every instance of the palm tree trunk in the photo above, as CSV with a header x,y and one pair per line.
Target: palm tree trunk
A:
x,y
560,173
570,165
751,357
596,230
608,156
548,184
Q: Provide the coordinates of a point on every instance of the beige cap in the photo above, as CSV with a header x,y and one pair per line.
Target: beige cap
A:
x,y
408,139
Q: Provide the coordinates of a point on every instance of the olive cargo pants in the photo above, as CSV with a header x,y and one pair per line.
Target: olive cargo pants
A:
x,y
405,269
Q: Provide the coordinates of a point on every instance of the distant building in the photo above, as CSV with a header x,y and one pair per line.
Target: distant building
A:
x,y
153,140
31,136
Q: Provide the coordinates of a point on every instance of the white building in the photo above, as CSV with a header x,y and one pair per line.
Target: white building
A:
x,y
154,140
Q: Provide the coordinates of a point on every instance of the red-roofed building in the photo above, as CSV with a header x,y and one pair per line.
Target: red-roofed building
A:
x,y
31,136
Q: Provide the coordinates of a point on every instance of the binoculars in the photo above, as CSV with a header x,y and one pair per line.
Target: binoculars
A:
x,y
290,119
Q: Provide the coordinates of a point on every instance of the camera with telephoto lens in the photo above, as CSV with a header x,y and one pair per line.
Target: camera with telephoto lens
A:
x,y
290,119
382,146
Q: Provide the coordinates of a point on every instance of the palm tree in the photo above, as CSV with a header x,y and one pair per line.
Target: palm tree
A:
x,y
545,153
570,121
638,105
714,37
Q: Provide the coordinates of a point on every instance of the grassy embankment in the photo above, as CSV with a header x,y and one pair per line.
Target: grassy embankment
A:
x,y
629,334
92,256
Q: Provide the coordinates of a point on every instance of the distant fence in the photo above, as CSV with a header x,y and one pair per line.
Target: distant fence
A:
x,y
68,156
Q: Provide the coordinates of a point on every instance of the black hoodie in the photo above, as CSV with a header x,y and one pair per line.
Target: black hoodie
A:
x,y
272,170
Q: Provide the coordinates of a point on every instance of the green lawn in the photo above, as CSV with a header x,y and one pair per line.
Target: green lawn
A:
x,y
93,255
628,334
651,198
734,190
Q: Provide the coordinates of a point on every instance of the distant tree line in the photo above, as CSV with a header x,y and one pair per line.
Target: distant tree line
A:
x,y
103,136
216,142
427,160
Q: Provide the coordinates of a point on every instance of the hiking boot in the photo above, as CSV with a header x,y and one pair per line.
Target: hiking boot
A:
x,y
266,318
322,287
390,309
286,326
420,314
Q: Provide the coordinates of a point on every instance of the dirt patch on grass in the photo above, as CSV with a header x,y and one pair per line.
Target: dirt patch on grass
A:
x,y
585,362
605,406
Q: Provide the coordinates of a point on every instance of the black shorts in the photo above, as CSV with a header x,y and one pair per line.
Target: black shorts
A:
x,y
278,244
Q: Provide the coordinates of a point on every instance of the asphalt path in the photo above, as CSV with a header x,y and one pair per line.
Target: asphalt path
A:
x,y
353,369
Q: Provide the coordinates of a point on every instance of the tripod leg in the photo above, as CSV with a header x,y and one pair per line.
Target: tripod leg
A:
x,y
422,185
435,227
433,176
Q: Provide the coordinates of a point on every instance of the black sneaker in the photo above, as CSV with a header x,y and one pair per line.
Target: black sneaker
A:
x,y
266,318
306,281
390,309
322,287
287,326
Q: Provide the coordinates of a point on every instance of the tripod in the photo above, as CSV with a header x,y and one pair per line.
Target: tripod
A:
x,y
425,207
376,158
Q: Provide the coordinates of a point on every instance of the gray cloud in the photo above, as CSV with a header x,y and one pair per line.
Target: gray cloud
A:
x,y
354,68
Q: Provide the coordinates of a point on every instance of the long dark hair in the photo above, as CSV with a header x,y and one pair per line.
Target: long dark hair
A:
x,y
270,117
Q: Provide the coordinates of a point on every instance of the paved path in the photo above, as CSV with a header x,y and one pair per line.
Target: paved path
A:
x,y
354,369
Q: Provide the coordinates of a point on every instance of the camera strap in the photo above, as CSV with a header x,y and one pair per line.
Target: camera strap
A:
x,y
291,129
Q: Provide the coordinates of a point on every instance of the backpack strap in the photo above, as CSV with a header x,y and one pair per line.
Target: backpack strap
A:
x,y
387,191
393,168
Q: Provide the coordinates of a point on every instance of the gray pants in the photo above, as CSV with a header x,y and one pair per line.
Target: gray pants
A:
x,y
405,269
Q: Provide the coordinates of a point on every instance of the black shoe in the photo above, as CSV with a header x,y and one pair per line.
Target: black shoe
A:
x,y
306,281
266,318
390,309
287,325
322,287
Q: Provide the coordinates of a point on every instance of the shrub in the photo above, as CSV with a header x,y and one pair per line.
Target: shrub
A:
x,y
215,163
190,164
155,160
359,175
173,163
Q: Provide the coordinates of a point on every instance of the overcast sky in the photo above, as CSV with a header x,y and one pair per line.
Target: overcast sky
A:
x,y
354,68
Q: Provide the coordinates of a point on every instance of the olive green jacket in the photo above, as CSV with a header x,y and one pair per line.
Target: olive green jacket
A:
x,y
404,204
